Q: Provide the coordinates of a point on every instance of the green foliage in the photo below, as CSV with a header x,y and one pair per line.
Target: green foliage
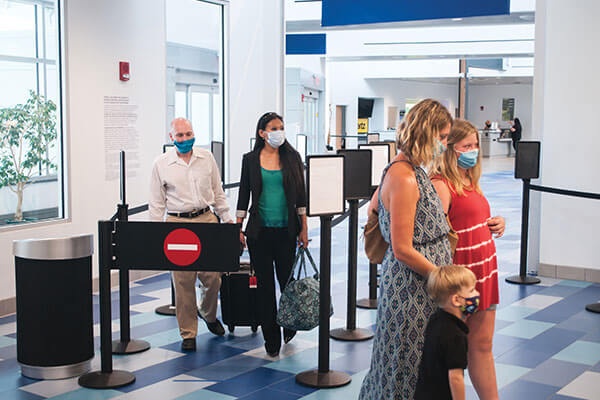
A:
x,y
26,132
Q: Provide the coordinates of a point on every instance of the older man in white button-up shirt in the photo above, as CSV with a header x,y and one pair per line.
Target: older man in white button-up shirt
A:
x,y
185,185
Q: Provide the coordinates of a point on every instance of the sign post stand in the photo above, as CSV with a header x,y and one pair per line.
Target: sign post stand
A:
x,y
125,345
325,181
357,164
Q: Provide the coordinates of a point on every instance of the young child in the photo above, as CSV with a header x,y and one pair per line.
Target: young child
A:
x,y
444,359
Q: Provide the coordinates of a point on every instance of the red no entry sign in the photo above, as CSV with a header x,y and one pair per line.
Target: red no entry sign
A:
x,y
182,247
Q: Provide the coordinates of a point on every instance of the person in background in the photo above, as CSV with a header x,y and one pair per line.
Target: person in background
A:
x,y
488,124
441,373
455,176
186,184
515,132
412,221
273,173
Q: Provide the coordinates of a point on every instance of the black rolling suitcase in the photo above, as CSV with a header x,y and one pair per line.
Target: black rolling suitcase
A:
x,y
238,298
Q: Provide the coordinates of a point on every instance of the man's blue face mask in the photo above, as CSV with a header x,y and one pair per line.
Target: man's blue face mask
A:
x,y
185,146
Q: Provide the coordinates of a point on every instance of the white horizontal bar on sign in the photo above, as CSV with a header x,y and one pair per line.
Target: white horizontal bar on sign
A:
x,y
185,247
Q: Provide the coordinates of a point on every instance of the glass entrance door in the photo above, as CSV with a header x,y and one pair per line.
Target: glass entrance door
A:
x,y
311,127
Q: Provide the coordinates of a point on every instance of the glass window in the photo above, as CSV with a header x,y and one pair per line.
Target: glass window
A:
x,y
201,117
16,79
17,29
30,126
181,104
195,54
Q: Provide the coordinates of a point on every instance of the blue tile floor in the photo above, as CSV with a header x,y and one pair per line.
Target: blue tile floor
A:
x,y
546,345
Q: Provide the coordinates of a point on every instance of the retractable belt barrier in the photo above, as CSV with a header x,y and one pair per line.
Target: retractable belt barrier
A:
x,y
164,246
527,166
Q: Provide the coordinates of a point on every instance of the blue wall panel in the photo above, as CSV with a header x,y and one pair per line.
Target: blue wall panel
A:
x,y
355,12
305,44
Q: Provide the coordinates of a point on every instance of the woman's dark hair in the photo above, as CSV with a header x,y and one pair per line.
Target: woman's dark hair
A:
x,y
292,167
517,122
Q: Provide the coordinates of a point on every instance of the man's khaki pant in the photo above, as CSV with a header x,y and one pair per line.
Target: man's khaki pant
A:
x,y
185,290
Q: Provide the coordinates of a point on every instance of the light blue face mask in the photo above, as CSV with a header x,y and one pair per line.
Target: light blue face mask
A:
x,y
185,146
440,148
275,138
468,159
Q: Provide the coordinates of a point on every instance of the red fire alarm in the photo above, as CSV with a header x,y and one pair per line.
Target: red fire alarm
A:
x,y
123,70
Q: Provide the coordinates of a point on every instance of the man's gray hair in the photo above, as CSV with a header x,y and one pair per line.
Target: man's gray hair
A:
x,y
172,125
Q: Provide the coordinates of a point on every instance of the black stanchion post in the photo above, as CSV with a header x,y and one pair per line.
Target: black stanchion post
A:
x,y
323,377
106,378
523,278
371,302
351,333
125,345
168,309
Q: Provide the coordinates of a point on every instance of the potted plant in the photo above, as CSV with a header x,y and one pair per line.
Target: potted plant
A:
x,y
27,131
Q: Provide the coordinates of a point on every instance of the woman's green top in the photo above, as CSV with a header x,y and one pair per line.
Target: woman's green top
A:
x,y
272,205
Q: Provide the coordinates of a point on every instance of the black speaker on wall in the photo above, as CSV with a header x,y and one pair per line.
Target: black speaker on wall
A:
x,y
527,160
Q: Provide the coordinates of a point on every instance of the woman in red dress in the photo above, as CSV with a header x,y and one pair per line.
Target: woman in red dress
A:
x,y
455,177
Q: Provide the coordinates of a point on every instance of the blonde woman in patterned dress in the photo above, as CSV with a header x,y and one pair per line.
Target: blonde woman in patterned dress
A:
x,y
412,220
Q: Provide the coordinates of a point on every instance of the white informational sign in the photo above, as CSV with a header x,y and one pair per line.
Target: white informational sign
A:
x,y
325,179
381,157
301,146
372,137
120,133
393,150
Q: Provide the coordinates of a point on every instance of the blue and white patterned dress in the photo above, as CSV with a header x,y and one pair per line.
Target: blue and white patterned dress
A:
x,y
404,307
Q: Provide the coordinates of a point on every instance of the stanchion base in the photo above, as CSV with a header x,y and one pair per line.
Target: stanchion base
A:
x,y
131,347
523,280
367,303
594,307
351,335
329,379
165,310
106,380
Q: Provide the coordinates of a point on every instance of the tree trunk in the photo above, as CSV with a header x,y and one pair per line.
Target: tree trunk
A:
x,y
19,210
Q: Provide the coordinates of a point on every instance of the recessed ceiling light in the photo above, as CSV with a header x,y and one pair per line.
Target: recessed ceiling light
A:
x,y
457,19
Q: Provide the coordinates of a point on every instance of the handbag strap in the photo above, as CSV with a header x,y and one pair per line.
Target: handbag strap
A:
x,y
299,254
312,262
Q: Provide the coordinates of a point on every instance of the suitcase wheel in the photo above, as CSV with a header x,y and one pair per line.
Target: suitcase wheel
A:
x,y
254,328
231,328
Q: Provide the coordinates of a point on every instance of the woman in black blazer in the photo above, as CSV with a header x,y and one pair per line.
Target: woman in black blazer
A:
x,y
273,174
515,132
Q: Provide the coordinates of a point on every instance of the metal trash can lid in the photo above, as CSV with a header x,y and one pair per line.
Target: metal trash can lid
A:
x,y
66,248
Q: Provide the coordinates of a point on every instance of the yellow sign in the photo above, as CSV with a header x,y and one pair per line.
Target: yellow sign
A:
x,y
363,125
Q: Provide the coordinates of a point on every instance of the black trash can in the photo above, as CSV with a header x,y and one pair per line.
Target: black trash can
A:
x,y
55,337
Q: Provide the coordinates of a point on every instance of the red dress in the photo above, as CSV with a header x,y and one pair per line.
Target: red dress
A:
x,y
475,249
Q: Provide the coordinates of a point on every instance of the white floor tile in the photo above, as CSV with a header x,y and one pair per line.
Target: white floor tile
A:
x,y
9,328
294,347
585,386
150,306
168,389
115,326
134,362
537,301
164,294
51,388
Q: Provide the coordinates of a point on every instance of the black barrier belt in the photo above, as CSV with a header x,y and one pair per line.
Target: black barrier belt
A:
x,y
345,215
231,185
573,193
144,207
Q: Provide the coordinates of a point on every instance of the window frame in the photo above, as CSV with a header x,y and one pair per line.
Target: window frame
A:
x,y
59,175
